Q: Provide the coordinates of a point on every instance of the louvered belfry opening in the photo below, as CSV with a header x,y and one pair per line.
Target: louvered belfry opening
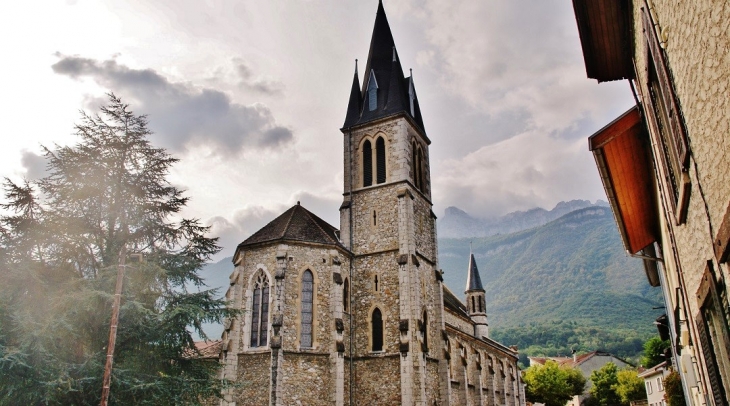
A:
x,y
377,328
307,304
380,158
367,164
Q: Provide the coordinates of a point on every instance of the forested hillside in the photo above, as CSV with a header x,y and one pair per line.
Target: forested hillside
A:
x,y
565,285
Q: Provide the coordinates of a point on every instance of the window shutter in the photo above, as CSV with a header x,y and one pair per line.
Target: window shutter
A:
x,y
676,124
380,158
367,164
713,373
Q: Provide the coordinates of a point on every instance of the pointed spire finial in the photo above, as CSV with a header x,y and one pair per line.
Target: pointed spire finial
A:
x,y
356,66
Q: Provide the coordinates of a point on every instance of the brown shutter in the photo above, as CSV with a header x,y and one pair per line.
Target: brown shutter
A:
x,y
718,392
679,134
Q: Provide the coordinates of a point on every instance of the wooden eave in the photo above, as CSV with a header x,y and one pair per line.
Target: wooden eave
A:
x,y
604,27
623,157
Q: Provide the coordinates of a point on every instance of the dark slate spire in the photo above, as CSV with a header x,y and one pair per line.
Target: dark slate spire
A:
x,y
384,66
473,280
355,105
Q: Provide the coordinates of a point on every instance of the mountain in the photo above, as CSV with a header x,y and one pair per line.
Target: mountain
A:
x,y
568,278
216,276
456,223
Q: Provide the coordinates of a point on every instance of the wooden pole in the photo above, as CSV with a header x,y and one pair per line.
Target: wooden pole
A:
x,y
113,328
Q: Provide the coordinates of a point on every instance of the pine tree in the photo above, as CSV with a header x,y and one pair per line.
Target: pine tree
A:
x,y
60,241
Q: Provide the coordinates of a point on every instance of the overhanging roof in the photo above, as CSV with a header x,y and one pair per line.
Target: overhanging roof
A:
x,y
604,27
623,157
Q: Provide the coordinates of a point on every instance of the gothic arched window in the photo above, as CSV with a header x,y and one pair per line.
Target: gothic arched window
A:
x,y
367,164
260,311
419,168
424,331
307,304
414,169
377,330
346,295
380,159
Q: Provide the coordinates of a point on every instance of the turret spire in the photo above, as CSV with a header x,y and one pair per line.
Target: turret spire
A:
x,y
383,65
473,280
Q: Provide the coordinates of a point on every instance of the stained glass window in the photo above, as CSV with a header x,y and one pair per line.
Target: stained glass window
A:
x,y
380,159
260,311
367,164
307,302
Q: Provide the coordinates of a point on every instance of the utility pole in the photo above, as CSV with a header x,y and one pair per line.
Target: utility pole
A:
x,y
113,328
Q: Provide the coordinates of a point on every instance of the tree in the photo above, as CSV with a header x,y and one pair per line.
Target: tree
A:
x,y
629,386
60,240
604,381
654,352
552,384
673,392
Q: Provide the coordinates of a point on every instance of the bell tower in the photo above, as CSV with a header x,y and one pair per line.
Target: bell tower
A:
x,y
387,222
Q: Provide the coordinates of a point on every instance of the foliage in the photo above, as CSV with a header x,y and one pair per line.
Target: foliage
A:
x,y
629,386
654,352
560,338
552,384
568,282
673,392
604,381
61,239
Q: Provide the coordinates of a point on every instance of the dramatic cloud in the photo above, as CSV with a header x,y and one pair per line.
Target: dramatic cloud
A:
x,y
34,165
250,219
182,115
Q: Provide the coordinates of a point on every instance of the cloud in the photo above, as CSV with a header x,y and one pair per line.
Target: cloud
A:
x,y
257,84
530,170
182,115
34,165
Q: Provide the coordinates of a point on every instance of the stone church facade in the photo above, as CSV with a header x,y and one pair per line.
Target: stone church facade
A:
x,y
360,315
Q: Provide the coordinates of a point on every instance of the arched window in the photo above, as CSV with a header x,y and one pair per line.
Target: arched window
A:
x,y
380,159
424,331
419,168
377,330
473,304
414,170
481,304
307,303
260,311
367,164
346,295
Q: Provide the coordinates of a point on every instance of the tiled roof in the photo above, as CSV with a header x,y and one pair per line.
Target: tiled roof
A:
x,y
205,350
473,280
453,302
395,91
295,224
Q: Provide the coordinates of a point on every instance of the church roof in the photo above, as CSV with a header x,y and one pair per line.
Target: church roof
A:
x,y
452,302
295,224
396,94
473,280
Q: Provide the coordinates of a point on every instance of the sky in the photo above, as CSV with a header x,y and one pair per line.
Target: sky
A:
x,y
250,96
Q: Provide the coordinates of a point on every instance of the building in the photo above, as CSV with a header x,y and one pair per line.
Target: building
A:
x,y
586,364
664,165
654,384
360,315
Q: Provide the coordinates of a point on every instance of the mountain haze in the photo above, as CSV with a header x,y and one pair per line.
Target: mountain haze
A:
x,y
456,223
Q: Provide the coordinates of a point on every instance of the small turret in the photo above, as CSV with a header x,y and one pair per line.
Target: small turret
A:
x,y
475,304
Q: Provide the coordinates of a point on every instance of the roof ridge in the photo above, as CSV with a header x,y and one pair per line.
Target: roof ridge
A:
x,y
314,220
288,222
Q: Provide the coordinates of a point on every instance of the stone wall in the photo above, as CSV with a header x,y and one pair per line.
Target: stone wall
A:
x,y
377,380
252,386
307,379
694,36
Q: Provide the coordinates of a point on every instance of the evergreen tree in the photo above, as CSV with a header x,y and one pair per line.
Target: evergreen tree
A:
x,y
552,384
60,241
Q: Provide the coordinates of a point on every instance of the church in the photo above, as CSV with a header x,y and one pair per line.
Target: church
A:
x,y
360,315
